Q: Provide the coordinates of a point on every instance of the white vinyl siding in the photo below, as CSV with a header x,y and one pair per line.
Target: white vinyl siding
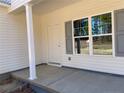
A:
x,y
12,42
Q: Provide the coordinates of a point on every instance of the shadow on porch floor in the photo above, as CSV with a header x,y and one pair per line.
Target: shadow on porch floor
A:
x,y
67,80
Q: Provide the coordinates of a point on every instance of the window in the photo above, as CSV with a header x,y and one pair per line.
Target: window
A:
x,y
102,34
82,45
102,45
81,36
101,24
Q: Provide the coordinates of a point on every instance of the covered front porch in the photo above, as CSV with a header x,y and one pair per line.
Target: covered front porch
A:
x,y
68,80
66,34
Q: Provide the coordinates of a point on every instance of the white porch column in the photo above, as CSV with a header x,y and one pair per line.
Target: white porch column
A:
x,y
31,48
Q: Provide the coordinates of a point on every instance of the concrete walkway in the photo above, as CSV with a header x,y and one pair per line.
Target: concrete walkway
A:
x,y
66,80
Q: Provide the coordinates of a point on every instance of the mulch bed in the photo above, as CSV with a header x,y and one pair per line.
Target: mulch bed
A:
x,y
24,89
6,81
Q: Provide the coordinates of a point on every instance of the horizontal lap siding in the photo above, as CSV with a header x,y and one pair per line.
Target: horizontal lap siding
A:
x,y
37,39
13,46
102,64
78,10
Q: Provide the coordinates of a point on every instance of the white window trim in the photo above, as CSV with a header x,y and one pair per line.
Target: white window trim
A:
x,y
113,32
110,34
81,36
91,36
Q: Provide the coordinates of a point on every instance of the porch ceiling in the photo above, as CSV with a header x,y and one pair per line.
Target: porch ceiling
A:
x,y
47,6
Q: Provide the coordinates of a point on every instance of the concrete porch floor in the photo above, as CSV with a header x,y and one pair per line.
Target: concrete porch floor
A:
x,y
67,80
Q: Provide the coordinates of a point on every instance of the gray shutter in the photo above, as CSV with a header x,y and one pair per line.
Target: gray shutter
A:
x,y
68,37
119,33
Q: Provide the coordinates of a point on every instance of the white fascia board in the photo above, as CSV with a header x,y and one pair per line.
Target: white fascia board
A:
x,y
4,5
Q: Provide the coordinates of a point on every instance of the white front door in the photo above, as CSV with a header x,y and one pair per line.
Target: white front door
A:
x,y
54,44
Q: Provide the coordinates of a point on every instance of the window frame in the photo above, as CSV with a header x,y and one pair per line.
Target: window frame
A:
x,y
91,35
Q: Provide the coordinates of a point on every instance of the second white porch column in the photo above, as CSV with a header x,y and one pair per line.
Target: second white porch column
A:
x,y
31,48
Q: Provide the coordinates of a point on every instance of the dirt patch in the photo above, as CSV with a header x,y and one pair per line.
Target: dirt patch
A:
x,y
6,81
24,89
11,85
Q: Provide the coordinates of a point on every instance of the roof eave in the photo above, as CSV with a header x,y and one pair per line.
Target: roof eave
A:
x,y
4,5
